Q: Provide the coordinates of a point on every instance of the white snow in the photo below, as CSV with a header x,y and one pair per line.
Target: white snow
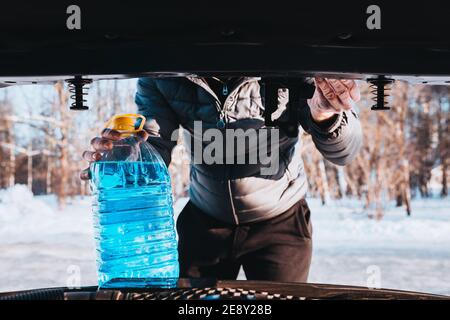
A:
x,y
43,246
410,253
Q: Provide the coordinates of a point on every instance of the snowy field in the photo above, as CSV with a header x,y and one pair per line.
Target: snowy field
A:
x,y
41,246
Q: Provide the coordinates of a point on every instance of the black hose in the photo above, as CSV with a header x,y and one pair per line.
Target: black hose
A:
x,y
39,294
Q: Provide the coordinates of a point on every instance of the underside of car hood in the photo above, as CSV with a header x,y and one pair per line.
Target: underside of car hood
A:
x,y
120,39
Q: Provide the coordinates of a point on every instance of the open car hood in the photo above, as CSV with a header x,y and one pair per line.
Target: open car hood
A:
x,y
177,38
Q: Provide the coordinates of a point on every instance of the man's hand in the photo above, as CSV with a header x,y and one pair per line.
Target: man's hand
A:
x,y
331,97
103,144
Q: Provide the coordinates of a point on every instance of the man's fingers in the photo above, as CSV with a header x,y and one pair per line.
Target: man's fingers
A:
x,y
85,174
325,88
111,134
353,89
91,156
328,93
323,103
341,91
101,144
142,135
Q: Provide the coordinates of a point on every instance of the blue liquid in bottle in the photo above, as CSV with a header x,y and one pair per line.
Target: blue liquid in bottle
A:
x,y
133,219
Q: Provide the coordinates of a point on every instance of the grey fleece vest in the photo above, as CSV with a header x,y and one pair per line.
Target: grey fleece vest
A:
x,y
238,193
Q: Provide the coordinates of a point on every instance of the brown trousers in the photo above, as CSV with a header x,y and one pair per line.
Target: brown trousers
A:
x,y
278,249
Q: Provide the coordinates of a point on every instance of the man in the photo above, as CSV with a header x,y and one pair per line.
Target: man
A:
x,y
236,215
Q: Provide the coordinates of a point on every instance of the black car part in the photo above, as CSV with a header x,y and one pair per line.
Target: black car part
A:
x,y
210,289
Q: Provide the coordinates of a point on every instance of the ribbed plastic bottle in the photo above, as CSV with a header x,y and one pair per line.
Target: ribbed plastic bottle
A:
x,y
133,215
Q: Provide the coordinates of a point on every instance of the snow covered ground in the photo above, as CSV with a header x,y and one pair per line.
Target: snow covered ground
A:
x,y
42,246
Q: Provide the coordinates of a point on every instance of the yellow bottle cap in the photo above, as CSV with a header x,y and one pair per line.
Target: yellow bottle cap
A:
x,y
127,124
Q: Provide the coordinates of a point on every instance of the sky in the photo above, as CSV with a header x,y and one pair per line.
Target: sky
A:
x,y
34,99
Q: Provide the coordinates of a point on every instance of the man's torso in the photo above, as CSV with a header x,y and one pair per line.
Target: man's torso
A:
x,y
234,192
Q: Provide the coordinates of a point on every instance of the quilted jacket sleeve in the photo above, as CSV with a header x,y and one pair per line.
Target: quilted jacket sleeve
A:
x,y
338,140
161,119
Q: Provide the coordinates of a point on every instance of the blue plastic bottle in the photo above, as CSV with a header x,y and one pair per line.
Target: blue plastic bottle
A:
x,y
133,215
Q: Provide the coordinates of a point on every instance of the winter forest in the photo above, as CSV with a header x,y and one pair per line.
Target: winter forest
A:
x,y
406,150
41,145
387,212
